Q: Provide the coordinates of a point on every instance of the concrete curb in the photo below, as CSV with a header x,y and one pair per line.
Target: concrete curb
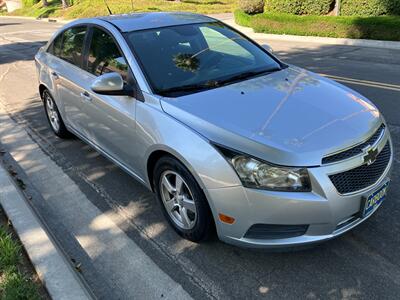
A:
x,y
330,41
49,20
52,268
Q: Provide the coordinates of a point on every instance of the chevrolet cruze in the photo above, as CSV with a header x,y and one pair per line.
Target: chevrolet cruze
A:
x,y
227,135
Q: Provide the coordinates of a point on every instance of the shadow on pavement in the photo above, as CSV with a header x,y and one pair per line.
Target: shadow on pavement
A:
x,y
23,51
9,24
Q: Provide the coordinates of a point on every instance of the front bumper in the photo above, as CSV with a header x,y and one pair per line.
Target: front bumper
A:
x,y
327,213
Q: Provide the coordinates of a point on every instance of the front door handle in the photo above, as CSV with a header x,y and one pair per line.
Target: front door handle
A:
x,y
85,95
55,75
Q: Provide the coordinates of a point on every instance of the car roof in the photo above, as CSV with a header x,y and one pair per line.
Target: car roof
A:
x,y
140,21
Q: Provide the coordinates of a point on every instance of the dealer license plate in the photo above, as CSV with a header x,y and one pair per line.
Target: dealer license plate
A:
x,y
374,199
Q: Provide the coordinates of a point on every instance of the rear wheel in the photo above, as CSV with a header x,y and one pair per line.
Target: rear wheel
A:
x,y
53,116
183,201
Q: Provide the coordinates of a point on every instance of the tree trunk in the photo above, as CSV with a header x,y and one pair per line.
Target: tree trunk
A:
x,y
64,3
337,8
45,3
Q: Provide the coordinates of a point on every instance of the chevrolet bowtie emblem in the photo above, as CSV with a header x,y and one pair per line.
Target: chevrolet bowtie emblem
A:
x,y
370,155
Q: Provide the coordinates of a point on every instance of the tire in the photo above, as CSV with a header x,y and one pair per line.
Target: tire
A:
x,y
196,226
53,116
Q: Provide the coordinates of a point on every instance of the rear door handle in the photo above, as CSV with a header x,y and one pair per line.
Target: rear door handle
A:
x,y
85,95
55,75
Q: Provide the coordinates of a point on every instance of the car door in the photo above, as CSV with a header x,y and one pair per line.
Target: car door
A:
x,y
111,124
68,76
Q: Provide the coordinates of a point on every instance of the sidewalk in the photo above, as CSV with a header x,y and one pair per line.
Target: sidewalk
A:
x,y
52,268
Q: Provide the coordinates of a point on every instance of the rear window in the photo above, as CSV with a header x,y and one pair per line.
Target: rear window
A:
x,y
55,47
68,45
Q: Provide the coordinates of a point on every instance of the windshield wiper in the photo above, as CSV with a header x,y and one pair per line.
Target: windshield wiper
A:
x,y
214,84
186,88
247,75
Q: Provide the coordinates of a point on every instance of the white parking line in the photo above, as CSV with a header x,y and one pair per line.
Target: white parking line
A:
x,y
375,84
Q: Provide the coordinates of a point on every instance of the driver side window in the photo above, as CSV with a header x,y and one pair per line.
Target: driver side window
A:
x,y
104,55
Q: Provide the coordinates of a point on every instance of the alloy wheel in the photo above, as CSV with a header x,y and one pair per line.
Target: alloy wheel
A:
x,y
52,113
178,200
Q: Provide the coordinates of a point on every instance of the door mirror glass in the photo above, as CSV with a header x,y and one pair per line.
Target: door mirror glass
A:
x,y
109,84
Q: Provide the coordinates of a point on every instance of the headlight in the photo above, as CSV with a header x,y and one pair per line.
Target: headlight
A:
x,y
257,174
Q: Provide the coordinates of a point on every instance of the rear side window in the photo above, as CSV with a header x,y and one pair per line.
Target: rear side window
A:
x,y
55,47
72,45
104,55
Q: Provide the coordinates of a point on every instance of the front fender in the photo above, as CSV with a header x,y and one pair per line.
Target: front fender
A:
x,y
159,131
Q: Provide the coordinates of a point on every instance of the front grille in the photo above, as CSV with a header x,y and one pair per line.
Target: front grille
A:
x,y
270,232
363,176
355,150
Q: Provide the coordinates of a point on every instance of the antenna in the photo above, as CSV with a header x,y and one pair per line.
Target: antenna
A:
x,y
109,10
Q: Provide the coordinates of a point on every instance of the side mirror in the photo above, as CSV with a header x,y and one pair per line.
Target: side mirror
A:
x,y
268,48
111,84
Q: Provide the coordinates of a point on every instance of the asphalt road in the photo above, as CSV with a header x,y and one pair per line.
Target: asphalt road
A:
x,y
362,264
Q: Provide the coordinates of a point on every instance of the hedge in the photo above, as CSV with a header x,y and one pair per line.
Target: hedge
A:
x,y
300,7
376,28
370,7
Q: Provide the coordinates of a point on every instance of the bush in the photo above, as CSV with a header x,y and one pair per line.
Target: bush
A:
x,y
370,7
376,28
284,6
252,7
317,7
29,3
300,7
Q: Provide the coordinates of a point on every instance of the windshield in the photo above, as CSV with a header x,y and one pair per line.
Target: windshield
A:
x,y
189,58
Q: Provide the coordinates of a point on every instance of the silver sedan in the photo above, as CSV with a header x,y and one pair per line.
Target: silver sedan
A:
x,y
228,137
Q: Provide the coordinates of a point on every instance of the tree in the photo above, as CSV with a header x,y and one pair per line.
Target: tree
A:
x,y
45,3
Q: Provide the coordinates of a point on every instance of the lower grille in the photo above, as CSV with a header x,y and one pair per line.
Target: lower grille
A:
x,y
347,221
363,176
265,231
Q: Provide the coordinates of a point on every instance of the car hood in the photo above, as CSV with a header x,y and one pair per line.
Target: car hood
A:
x,y
291,117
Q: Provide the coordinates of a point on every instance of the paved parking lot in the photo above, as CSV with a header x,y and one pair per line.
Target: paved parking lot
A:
x,y
363,264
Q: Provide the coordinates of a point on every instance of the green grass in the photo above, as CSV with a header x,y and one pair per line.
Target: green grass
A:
x,y
14,284
90,8
377,28
9,250
38,10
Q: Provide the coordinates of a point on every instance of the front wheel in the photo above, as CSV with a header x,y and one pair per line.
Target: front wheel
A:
x,y
182,200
